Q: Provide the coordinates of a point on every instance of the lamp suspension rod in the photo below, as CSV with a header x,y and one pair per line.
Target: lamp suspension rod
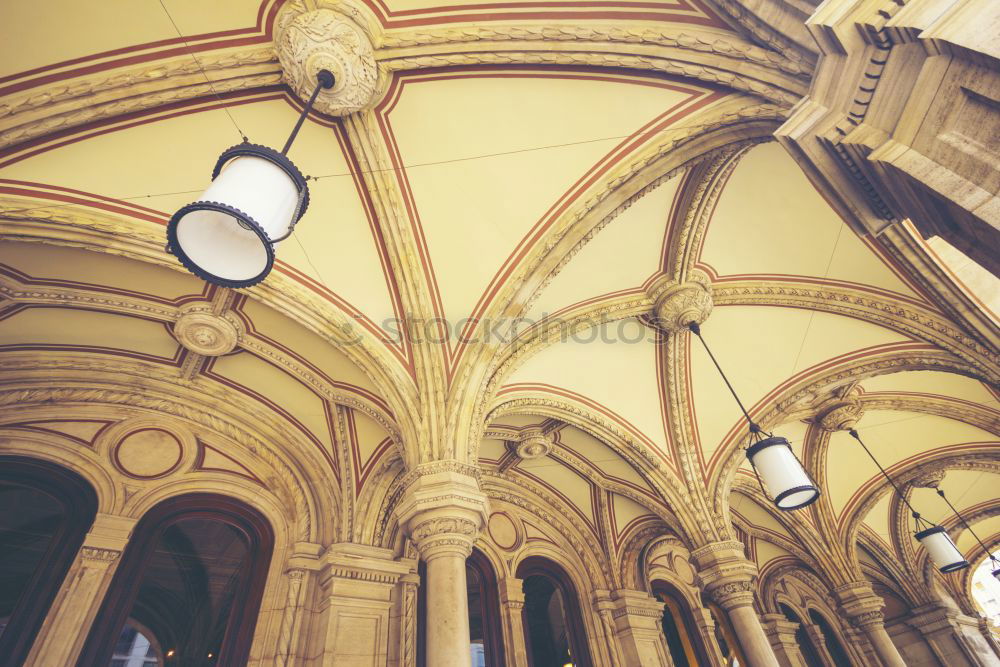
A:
x,y
324,79
966,524
854,434
696,330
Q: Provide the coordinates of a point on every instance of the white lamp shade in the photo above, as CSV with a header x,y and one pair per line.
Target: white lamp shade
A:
x,y
227,237
782,474
941,549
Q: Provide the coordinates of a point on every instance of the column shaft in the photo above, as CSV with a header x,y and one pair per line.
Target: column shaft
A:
x,y
882,643
751,636
447,611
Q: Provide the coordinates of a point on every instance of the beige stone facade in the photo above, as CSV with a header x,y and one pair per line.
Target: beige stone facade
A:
x,y
474,349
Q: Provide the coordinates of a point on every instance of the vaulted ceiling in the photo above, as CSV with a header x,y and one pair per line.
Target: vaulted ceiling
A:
x,y
526,174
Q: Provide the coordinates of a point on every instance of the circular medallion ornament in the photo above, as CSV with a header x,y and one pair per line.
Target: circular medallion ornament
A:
x,y
503,531
205,333
325,39
533,444
148,453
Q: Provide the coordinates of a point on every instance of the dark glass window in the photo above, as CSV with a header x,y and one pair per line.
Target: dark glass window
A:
x,y
45,513
678,628
547,628
485,632
188,589
806,647
833,644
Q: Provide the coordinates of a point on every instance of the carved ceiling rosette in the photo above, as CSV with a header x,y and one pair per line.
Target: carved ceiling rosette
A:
x,y
324,39
676,305
533,444
201,331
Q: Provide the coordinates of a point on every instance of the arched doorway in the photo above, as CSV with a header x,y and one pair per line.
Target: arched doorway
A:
x,y
45,513
189,586
553,625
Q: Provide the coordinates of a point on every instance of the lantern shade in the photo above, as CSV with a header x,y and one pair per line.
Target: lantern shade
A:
x,y
227,237
996,573
782,474
941,549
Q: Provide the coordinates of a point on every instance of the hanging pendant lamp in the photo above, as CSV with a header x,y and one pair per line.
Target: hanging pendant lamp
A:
x,y
771,457
935,539
993,559
257,195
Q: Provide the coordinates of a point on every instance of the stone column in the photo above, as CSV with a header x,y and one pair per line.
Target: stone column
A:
x,y
442,511
781,632
637,618
728,579
511,609
68,622
357,583
863,608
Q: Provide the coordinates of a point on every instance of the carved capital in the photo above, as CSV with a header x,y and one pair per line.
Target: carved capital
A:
x,y
676,305
442,510
203,332
732,594
871,617
533,444
100,556
327,39
929,480
840,415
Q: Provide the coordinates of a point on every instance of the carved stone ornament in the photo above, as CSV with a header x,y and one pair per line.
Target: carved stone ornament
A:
x,y
675,305
326,39
206,333
871,617
444,527
929,480
733,592
533,444
840,416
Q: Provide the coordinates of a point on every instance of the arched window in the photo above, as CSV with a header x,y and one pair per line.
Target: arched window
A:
x,y
806,647
833,645
45,513
553,625
485,632
188,588
678,628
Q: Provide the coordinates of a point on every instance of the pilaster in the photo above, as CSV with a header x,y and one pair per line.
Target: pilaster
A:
x,y
781,633
356,594
68,622
511,611
953,637
637,618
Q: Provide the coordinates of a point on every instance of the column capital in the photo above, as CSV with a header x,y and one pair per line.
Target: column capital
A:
x,y
860,603
635,603
726,575
442,509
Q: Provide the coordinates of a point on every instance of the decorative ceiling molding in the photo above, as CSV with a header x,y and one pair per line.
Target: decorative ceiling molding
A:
x,y
662,480
897,314
806,391
765,31
111,94
985,457
382,182
80,227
